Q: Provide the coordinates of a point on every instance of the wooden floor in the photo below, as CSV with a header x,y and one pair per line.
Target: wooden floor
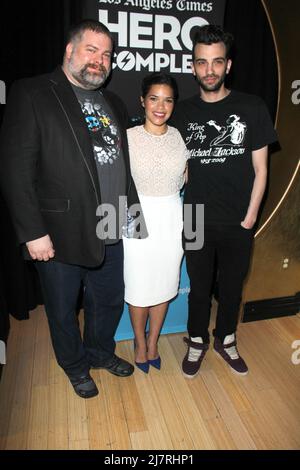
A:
x,y
162,410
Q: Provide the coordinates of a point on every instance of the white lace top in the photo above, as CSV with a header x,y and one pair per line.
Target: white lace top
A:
x,y
157,162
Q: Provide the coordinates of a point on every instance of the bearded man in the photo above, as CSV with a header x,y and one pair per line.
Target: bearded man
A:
x,y
63,155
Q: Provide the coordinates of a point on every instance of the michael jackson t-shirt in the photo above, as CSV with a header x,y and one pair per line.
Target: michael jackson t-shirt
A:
x,y
220,137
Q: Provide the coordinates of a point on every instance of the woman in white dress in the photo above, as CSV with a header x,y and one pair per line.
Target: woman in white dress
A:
x,y
152,265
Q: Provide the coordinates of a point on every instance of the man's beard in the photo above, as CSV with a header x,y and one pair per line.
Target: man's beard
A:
x,y
211,88
89,80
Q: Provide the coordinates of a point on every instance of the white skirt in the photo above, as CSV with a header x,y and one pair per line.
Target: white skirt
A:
x,y
152,265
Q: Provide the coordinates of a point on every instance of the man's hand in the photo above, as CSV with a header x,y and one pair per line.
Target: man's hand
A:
x,y
41,249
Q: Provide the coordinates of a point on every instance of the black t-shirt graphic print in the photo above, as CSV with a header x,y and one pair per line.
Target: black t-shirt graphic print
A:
x,y
220,137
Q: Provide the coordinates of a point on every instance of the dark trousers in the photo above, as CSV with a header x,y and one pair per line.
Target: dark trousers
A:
x,y
103,306
228,248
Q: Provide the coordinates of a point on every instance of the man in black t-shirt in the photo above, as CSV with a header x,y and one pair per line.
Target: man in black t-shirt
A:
x,y
227,134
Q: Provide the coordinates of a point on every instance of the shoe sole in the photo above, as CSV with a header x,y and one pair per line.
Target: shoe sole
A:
x,y
190,376
87,396
231,368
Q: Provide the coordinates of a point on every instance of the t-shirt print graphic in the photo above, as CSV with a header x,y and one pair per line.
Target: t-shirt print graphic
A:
x,y
105,137
232,134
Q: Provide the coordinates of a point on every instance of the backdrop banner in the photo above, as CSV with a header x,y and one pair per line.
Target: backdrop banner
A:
x,y
152,35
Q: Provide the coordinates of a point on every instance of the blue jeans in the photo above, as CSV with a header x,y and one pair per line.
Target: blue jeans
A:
x,y
103,305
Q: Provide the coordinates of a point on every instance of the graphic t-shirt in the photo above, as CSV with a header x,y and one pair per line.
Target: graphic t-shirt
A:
x,y
220,137
107,148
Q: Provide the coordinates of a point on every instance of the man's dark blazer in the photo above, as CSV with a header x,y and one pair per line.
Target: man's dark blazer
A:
x,y
48,173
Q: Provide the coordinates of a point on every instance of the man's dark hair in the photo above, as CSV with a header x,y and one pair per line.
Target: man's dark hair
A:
x,y
158,78
76,31
212,34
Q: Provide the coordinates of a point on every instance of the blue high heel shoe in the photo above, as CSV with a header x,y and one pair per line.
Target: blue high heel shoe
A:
x,y
155,362
143,366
